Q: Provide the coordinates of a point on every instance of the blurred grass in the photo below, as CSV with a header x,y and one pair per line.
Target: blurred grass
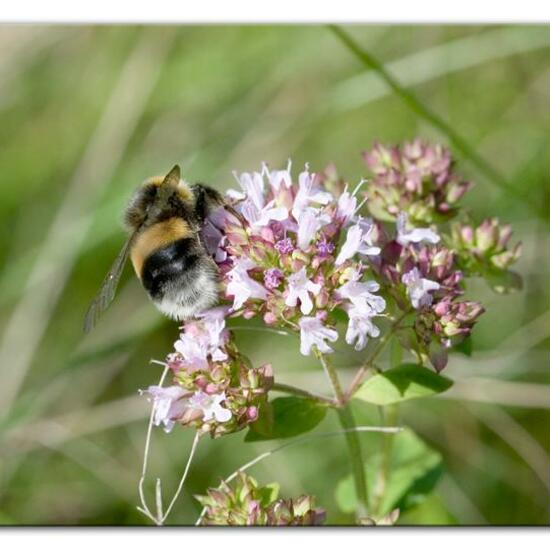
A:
x,y
224,98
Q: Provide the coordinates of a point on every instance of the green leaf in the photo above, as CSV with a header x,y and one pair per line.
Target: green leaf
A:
x,y
268,494
401,383
413,472
264,424
291,416
396,353
339,315
432,511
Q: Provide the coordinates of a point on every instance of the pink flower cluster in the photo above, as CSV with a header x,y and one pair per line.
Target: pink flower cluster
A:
x,y
422,276
250,504
214,389
415,178
294,253
483,250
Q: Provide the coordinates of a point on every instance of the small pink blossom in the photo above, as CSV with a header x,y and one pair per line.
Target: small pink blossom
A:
x,y
310,220
418,288
273,278
214,325
253,189
261,217
284,246
299,287
416,235
168,405
325,248
360,326
194,351
308,192
347,205
314,333
278,178
241,286
358,241
360,294
210,405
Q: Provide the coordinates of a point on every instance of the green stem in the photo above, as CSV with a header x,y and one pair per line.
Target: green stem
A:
x,y
389,415
347,421
293,390
333,378
433,118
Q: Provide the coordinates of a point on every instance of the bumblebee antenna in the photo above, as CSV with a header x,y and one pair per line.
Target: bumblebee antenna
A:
x,y
173,176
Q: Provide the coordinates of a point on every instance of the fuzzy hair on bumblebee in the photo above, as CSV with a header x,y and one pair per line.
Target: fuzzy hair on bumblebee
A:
x,y
164,219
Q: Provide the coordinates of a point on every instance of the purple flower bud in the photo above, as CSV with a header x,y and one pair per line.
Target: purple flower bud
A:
x,y
270,318
504,235
442,308
252,413
249,504
284,246
457,190
325,248
486,235
267,234
273,278
467,234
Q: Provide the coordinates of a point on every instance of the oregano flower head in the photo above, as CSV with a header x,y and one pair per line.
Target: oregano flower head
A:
x,y
296,253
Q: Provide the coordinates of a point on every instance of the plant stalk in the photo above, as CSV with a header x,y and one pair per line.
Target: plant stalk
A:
x,y
389,415
293,390
345,415
347,421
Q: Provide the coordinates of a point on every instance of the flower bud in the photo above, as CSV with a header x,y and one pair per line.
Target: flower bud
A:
x,y
249,504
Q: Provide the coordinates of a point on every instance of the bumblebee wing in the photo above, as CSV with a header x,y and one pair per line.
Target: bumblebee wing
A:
x,y
108,288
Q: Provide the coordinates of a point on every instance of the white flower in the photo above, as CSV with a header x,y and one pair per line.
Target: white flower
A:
x,y
308,192
314,333
214,325
418,288
358,240
252,186
415,235
360,326
241,286
277,178
193,350
168,405
210,405
299,287
347,205
310,220
254,209
362,297
260,217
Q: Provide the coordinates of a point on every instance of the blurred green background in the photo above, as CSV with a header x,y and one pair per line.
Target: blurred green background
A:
x,y
88,112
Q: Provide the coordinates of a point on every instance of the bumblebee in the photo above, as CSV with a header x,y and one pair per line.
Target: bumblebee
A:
x,y
164,219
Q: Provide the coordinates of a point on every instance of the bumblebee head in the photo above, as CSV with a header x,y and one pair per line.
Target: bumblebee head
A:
x,y
159,197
